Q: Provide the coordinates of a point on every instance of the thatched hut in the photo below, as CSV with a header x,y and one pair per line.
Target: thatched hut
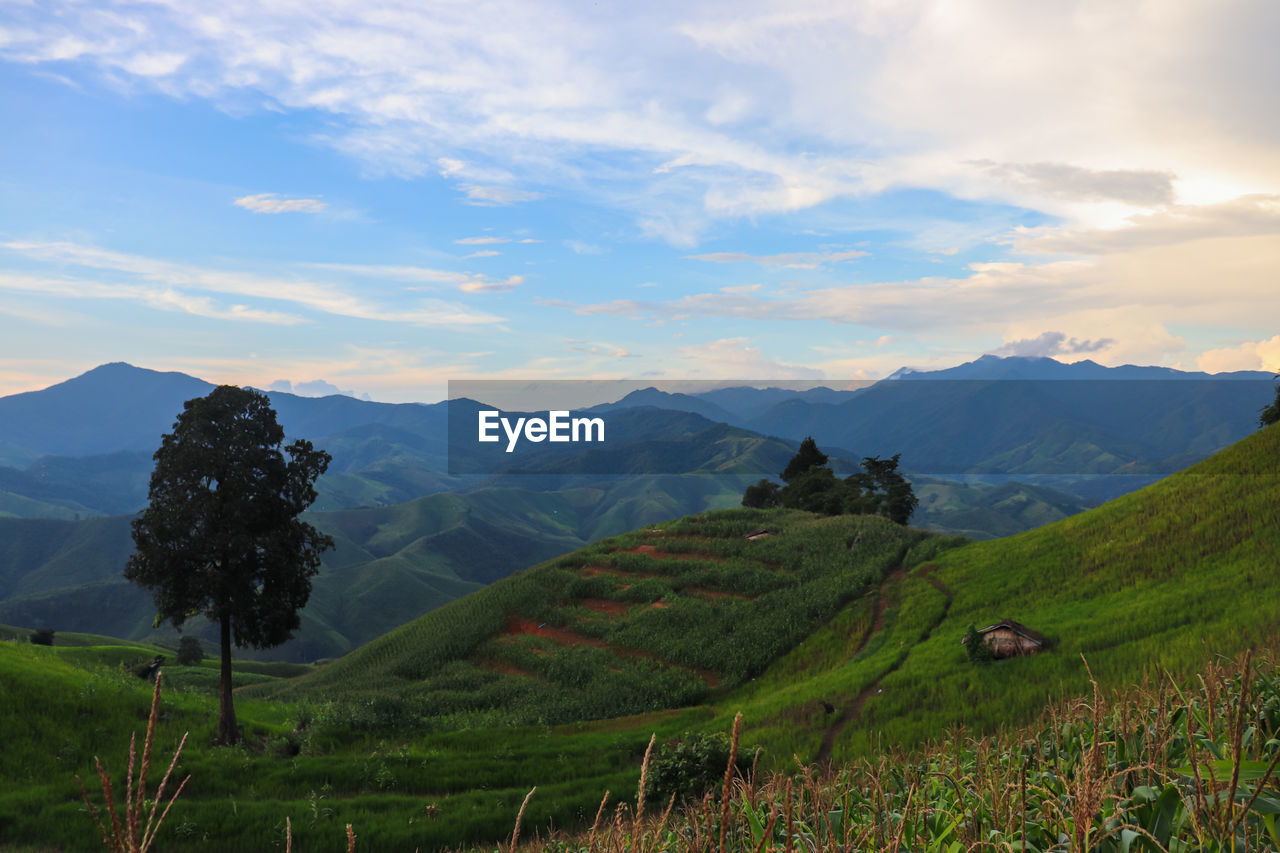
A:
x,y
1010,639
758,533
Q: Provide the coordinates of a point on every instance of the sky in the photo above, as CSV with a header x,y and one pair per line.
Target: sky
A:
x,y
376,198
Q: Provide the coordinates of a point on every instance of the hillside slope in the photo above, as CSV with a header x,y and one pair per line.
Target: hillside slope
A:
x,y
835,634
658,618
1154,581
391,564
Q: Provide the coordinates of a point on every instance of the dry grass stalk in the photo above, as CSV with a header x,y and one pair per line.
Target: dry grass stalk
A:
x,y
728,777
351,840
131,836
644,777
515,833
288,835
595,824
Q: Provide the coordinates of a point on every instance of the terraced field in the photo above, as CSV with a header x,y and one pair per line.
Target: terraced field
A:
x,y
663,617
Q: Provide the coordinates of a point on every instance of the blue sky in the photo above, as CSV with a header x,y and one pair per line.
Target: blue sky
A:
x,y
381,197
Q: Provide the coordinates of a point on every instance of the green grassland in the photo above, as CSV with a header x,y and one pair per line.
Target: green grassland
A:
x,y
319,764
1149,582
431,735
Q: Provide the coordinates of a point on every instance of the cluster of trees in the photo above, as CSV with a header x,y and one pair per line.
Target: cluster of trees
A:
x,y
877,489
1271,414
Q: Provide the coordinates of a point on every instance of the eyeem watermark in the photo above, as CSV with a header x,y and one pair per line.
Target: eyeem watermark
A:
x,y
557,427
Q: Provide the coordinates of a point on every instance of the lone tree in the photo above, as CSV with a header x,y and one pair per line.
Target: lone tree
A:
x,y
221,536
1271,414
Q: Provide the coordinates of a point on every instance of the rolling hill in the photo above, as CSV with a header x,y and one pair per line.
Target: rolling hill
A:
x,y
834,637
391,563
830,634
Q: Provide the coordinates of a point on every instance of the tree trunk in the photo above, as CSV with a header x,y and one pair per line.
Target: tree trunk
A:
x,y
227,731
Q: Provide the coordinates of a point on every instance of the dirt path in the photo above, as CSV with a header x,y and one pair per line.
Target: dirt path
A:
x,y
854,709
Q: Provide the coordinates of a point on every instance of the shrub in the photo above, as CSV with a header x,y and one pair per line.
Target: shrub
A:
x,y
190,652
42,636
689,767
976,648
763,494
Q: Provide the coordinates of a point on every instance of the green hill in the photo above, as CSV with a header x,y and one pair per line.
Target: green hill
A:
x,y
850,613
391,563
416,737
653,619
1155,581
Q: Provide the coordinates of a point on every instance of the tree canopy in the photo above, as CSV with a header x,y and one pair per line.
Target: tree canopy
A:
x,y
806,459
878,488
1271,414
762,494
221,535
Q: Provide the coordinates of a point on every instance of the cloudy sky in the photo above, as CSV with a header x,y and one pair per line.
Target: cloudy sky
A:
x,y
378,197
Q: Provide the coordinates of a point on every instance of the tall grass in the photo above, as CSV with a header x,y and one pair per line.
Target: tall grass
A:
x,y
1157,768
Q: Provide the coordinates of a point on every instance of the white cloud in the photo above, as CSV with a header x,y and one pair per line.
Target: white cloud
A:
x,y
495,196
313,388
481,241
1144,189
1049,344
465,281
168,285
159,297
490,286
487,253
1162,271
1246,216
578,247
599,349
1250,355
788,260
737,109
736,358
270,203
450,166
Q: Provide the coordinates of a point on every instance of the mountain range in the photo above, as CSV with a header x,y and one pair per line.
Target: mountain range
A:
x,y
412,535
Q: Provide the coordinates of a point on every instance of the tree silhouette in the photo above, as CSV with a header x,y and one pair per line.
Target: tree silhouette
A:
x,y
1271,414
221,535
806,458
762,494
879,488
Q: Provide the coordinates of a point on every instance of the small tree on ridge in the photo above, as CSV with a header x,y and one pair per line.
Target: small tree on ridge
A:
x,y
1271,414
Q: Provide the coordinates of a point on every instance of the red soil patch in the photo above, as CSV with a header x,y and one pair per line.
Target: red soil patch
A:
x,y
659,605
605,605
592,571
551,632
651,551
520,625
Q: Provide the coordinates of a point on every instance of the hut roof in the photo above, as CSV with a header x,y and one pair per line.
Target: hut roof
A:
x,y
1017,628
757,533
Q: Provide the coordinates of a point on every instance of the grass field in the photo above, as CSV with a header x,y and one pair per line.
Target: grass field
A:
x,y
835,638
